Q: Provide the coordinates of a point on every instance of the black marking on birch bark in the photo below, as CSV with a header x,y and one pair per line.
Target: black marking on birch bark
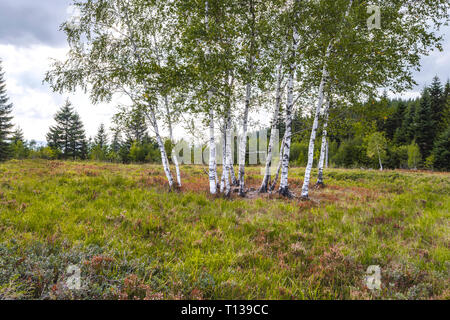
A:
x,y
285,192
304,198
319,185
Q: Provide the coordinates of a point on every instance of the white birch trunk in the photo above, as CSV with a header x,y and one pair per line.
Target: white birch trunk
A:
x,y
212,155
266,179
234,181
284,188
305,188
275,179
243,141
326,155
379,159
152,117
224,158
165,161
323,147
225,165
174,156
228,156
212,144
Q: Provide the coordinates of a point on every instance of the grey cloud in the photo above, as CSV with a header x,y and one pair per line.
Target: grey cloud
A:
x,y
32,80
436,64
27,22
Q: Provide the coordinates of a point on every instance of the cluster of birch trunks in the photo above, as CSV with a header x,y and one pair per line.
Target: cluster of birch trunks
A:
x,y
124,46
268,184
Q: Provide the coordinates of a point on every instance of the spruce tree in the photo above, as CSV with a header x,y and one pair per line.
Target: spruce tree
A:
x,y
116,141
395,121
424,125
436,99
78,142
441,151
17,136
99,148
68,134
101,139
437,103
135,126
19,148
5,119
405,134
445,118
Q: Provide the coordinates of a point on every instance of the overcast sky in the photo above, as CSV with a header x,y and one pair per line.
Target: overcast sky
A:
x,y
30,36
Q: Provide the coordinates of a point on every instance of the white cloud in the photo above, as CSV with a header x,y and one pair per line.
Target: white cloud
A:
x,y
34,103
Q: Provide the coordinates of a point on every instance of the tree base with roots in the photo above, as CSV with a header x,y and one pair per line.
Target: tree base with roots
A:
x,y
264,189
285,192
319,185
175,188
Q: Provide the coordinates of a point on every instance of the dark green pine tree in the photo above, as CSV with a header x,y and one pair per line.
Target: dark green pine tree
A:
x,y
17,136
445,119
58,135
5,119
395,121
447,89
135,126
101,139
405,134
441,151
116,141
19,148
437,103
68,134
424,125
78,142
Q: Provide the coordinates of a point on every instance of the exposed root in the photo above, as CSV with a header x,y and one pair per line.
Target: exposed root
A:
x,y
285,192
175,188
263,189
227,195
304,198
319,185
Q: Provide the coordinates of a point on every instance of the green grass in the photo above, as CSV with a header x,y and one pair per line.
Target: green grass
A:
x,y
134,239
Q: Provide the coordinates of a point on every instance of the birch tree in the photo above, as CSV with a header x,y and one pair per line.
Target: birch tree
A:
x,y
323,83
111,53
376,147
169,119
284,188
324,145
250,16
224,43
363,59
274,127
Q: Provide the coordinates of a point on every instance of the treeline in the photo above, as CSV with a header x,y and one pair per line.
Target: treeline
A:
x,y
128,140
405,134
66,140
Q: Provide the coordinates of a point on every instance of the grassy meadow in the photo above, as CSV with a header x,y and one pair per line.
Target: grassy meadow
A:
x,y
133,239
